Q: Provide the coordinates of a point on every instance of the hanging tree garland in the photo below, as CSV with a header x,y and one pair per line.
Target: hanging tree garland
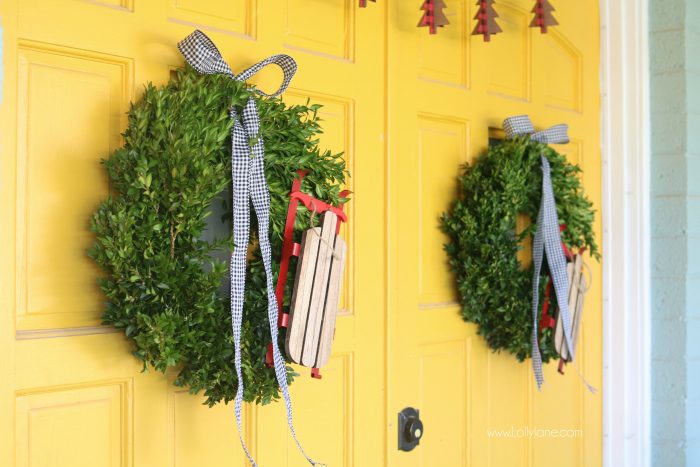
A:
x,y
433,16
543,16
162,280
495,289
485,16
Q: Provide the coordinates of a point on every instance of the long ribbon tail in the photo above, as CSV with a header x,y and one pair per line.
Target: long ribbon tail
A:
x,y
537,258
554,253
547,241
260,196
592,389
248,184
241,234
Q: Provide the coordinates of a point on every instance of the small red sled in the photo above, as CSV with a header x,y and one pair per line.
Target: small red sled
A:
x,y
577,289
310,322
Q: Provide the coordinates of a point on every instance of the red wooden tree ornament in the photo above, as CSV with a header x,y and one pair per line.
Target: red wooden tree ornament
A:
x,y
543,16
486,20
433,16
363,3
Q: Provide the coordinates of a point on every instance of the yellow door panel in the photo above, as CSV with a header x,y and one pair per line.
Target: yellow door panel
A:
x,y
509,389
437,137
324,420
325,28
236,17
59,179
197,434
444,57
560,53
338,133
512,47
83,426
443,399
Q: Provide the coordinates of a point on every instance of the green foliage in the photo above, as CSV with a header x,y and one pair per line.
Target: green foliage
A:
x,y
495,289
162,280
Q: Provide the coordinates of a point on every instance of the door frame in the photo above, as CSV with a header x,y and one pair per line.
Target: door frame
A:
x,y
625,147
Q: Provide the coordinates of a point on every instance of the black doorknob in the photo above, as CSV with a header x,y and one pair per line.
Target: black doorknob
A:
x,y
410,429
414,430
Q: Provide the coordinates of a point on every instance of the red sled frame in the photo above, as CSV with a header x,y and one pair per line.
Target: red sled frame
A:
x,y
291,248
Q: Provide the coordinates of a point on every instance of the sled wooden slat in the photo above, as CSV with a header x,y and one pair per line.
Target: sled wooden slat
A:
x,y
583,285
576,297
316,294
320,286
559,340
331,306
302,294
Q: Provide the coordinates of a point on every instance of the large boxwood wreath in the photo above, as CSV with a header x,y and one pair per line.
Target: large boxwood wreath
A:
x,y
162,280
495,289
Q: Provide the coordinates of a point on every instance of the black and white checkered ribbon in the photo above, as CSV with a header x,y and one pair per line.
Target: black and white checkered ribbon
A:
x,y
249,185
547,239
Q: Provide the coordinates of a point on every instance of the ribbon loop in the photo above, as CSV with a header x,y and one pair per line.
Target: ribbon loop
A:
x,y
249,187
201,53
520,125
285,62
558,134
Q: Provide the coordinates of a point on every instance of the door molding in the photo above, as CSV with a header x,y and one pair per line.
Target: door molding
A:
x,y
626,233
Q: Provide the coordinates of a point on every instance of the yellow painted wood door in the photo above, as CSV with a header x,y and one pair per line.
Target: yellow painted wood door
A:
x,y
72,395
407,108
447,95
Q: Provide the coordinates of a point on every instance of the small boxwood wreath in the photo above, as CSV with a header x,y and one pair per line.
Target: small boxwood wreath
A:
x,y
495,290
162,280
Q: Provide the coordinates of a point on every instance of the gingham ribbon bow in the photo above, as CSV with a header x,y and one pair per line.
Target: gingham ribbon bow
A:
x,y
249,185
547,239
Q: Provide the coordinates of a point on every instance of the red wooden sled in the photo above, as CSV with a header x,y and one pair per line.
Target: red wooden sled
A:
x,y
547,320
291,248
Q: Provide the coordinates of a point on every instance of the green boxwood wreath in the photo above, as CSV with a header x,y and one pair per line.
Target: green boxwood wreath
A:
x,y
495,290
162,280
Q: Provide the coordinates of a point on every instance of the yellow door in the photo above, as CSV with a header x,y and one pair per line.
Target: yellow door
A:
x,y
448,94
406,108
72,395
